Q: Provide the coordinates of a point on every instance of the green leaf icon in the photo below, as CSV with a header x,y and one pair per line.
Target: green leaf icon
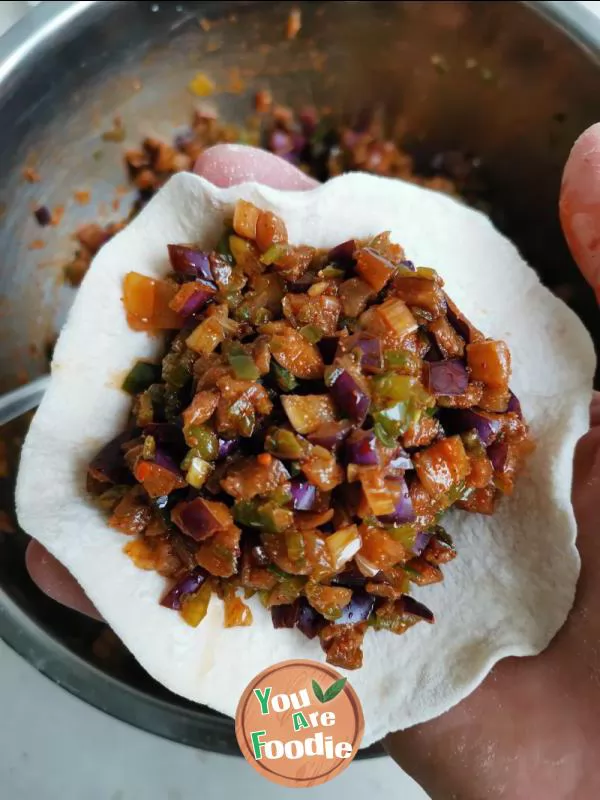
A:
x,y
334,690
318,691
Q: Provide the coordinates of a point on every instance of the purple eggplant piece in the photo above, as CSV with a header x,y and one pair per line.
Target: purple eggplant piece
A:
x,y
284,616
309,622
416,609
514,405
108,466
421,541
328,348
330,435
190,261
196,520
227,447
304,495
459,325
43,215
351,578
404,512
460,420
204,291
164,459
260,556
448,377
189,584
352,401
167,433
361,449
370,348
497,453
343,254
298,614
358,609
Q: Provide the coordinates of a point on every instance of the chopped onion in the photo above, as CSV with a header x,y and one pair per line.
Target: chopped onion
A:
x,y
448,377
400,460
189,584
368,569
190,261
343,545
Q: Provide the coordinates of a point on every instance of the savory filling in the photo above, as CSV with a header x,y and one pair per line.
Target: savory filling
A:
x,y
315,415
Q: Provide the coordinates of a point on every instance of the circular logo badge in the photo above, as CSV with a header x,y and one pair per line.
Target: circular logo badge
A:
x,y
299,723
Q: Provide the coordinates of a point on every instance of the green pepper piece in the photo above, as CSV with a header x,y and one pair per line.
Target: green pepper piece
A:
x,y
149,448
204,440
140,377
243,366
312,333
283,377
405,534
332,272
284,443
275,252
223,248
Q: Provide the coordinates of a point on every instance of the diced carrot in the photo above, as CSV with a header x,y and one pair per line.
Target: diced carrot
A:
x,y
245,219
270,230
489,362
442,466
147,301
156,480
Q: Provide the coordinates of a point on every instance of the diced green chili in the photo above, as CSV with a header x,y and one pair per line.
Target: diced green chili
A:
x,y
284,378
141,376
312,333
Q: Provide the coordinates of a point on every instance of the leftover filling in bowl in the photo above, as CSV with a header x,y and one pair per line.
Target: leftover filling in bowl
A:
x,y
315,415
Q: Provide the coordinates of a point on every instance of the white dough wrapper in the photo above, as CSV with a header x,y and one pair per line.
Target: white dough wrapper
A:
x,y
513,583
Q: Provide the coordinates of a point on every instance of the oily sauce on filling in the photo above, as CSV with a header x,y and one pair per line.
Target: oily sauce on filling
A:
x,y
314,416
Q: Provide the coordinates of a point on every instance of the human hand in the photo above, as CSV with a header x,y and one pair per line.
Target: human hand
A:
x,y
531,729
530,715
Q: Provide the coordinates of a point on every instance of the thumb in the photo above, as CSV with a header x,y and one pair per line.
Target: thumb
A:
x,y
580,204
231,164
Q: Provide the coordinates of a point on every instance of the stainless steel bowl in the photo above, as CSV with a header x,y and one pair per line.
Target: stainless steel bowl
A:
x,y
512,84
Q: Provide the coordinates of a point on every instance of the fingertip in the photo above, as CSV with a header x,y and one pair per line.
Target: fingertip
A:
x,y
56,581
580,204
231,164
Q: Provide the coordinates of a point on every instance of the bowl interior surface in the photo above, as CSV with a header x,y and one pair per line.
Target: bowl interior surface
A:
x,y
494,81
